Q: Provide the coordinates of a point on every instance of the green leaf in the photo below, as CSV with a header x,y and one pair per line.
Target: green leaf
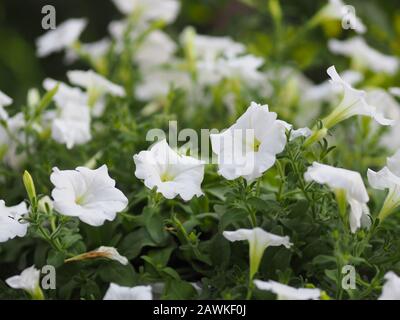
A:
x,y
55,258
117,273
133,243
178,290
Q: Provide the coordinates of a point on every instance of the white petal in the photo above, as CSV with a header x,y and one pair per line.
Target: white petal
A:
x,y
116,292
10,226
391,288
285,292
62,37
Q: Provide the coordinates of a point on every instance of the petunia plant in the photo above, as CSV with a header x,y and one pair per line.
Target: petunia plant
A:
x,y
169,163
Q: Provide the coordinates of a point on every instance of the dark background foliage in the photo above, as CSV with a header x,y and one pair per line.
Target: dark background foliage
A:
x,y
20,25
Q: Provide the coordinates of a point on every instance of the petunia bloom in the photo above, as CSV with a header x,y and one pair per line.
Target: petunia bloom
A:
x,y
88,194
249,147
70,122
10,224
28,281
64,36
391,288
388,178
347,184
172,174
259,240
285,292
363,55
353,103
116,292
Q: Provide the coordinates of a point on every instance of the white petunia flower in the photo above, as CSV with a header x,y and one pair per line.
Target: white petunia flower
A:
x,y
102,252
4,102
10,226
249,147
150,10
70,122
353,103
28,281
285,292
87,194
157,48
388,178
391,288
258,240
343,181
71,126
95,84
172,174
357,49
116,292
64,36
337,10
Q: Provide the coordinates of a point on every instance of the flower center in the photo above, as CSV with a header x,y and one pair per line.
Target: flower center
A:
x,y
165,177
80,200
256,145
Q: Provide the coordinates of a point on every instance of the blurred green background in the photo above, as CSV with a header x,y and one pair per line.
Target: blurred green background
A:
x,y
20,25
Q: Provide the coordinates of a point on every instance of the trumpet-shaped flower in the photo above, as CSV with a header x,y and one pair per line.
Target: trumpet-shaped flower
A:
x,y
249,147
172,174
353,103
102,252
64,36
28,281
116,292
285,292
150,10
347,183
259,240
96,85
4,101
363,55
391,288
388,178
10,225
87,194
